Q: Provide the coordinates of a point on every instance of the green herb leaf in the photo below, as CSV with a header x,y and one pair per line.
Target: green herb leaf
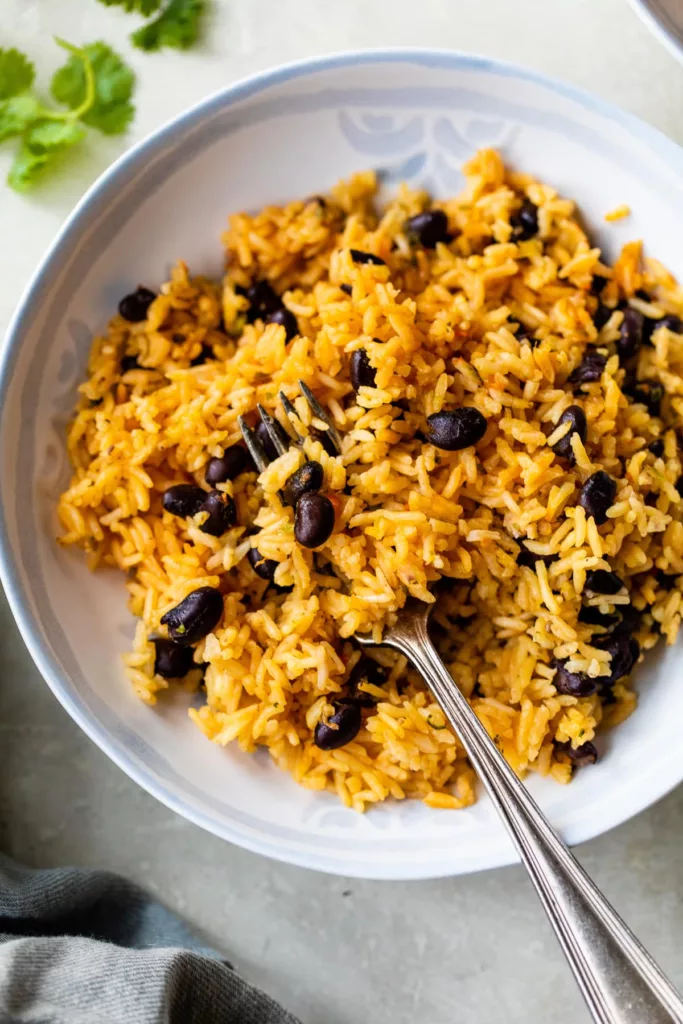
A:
x,y
16,73
17,114
111,111
144,7
95,87
41,146
177,26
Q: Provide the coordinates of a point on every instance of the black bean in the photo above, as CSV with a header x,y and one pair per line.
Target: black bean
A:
x,y
590,369
287,320
629,381
580,756
573,684
222,514
629,621
280,589
601,316
591,616
198,614
597,495
624,652
358,256
129,363
183,499
172,660
529,559
600,581
673,322
525,221
365,671
656,447
234,460
429,228
630,333
576,417
457,429
360,370
309,477
340,728
648,392
649,325
263,300
133,307
263,567
347,289
666,581
620,627
313,519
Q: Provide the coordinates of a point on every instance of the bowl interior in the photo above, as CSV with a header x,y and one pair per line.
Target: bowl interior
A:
x,y
290,133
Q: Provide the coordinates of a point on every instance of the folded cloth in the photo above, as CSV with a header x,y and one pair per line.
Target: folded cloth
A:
x,y
88,947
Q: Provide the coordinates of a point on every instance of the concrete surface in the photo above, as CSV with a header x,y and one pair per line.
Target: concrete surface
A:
x,y
473,950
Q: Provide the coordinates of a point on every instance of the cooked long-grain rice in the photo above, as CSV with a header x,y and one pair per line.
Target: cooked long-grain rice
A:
x,y
485,321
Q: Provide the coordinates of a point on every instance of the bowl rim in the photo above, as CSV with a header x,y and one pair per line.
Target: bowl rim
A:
x,y
10,576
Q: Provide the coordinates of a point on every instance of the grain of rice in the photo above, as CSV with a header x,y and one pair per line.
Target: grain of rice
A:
x,y
618,213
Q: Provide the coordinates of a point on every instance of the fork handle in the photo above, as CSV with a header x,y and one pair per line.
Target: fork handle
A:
x,y
619,980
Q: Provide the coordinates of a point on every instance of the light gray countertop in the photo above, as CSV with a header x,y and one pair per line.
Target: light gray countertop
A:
x,y
475,950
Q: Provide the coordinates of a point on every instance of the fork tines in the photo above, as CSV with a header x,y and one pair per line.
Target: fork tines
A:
x,y
277,434
254,446
279,437
321,414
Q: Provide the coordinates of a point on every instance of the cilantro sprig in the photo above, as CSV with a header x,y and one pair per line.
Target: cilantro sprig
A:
x,y
94,89
178,25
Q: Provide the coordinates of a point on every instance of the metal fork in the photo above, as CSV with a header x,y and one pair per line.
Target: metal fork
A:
x,y
619,980
281,440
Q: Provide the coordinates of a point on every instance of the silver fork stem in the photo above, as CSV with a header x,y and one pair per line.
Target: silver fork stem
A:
x,y
620,982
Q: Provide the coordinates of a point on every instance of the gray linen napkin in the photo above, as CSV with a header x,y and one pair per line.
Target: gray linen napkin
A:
x,y
88,947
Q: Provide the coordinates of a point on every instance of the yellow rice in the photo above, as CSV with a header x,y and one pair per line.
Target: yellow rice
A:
x,y
440,329
618,213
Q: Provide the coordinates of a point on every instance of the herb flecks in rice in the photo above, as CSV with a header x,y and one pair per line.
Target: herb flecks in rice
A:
x,y
491,318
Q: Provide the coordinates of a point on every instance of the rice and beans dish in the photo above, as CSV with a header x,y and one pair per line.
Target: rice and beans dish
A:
x,y
454,400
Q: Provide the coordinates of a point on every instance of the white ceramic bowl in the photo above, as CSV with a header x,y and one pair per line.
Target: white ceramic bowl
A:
x,y
288,133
